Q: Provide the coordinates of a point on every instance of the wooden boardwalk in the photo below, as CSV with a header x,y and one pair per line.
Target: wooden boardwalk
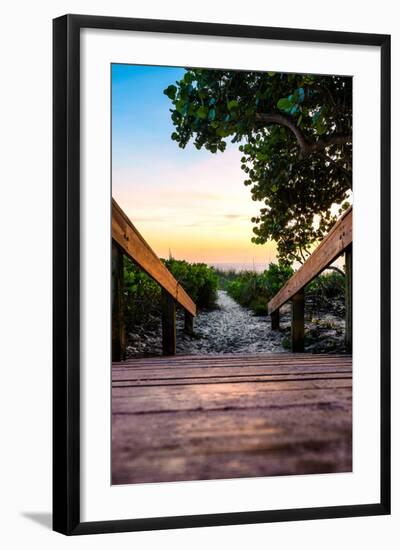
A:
x,y
214,417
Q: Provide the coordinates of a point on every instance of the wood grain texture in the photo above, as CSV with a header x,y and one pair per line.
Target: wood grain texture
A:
x,y
218,417
330,248
125,234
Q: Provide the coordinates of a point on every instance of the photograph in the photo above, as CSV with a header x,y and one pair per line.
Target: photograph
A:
x,y
206,360
231,273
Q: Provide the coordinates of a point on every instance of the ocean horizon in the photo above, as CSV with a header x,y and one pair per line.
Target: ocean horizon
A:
x,y
257,267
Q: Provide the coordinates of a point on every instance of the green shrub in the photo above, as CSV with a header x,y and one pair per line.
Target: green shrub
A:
x,y
326,292
275,277
142,295
286,343
254,290
199,280
225,277
259,308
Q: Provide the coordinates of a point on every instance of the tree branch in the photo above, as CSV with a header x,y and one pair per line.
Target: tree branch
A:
x,y
324,142
346,174
337,269
306,146
283,120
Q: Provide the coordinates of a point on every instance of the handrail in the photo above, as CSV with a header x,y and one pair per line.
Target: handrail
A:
x,y
125,234
339,238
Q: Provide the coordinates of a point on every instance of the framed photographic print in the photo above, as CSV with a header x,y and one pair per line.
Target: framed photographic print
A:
x,y
221,346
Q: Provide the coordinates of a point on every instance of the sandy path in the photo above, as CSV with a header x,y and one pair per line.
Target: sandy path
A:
x,y
230,328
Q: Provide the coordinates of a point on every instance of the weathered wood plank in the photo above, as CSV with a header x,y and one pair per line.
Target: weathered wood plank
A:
x,y
133,244
229,379
264,416
332,246
306,438
174,368
225,358
193,372
233,367
164,398
222,397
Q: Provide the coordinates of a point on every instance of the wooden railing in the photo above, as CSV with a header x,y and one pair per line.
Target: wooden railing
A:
x,y
126,239
337,241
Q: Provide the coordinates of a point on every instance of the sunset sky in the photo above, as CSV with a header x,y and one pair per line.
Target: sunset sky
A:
x,y
191,202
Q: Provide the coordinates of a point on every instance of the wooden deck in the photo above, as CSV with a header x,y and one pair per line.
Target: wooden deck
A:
x,y
213,417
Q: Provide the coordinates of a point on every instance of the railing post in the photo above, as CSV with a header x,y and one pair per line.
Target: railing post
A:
x,y
275,320
349,298
118,325
188,323
168,317
298,321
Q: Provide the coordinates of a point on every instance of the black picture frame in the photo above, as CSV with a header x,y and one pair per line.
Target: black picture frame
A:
x,y
66,273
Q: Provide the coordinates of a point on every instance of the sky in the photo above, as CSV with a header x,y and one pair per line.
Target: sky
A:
x,y
189,202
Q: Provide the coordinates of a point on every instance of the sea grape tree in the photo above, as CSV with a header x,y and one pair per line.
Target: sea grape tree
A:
x,y
295,135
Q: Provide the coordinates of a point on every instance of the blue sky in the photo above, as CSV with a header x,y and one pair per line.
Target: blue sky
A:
x,y
141,120
190,201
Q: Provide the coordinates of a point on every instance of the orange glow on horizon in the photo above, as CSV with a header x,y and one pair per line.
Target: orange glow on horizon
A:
x,y
200,213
